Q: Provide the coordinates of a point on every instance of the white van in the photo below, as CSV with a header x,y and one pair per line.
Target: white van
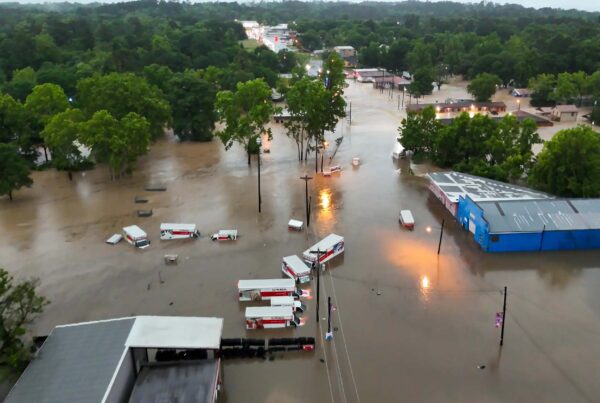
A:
x,y
270,317
225,235
136,236
178,231
293,267
331,246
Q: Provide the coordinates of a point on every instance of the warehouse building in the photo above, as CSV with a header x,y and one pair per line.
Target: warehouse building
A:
x,y
531,225
448,187
137,359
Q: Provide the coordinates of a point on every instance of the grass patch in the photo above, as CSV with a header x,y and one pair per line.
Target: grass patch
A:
x,y
250,44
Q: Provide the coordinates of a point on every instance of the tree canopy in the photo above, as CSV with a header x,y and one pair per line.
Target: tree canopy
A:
x,y
569,164
14,170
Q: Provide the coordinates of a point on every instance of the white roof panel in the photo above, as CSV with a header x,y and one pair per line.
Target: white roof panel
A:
x,y
260,311
175,332
325,243
296,264
266,283
134,231
176,227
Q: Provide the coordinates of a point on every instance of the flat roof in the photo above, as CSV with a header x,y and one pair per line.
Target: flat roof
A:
x,y
266,283
566,108
456,105
184,382
75,364
456,184
258,311
542,215
176,332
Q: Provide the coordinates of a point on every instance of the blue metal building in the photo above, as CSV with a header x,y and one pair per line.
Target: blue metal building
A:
x,y
531,225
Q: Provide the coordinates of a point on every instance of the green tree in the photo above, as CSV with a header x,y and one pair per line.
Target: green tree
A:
x,y
22,83
116,142
14,126
14,170
245,114
122,93
19,304
422,83
61,135
418,132
483,86
570,86
569,164
542,87
45,101
192,100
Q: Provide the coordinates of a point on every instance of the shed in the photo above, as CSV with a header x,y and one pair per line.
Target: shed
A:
x,y
564,113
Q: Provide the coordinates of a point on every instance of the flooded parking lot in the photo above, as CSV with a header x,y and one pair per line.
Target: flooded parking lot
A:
x,y
409,325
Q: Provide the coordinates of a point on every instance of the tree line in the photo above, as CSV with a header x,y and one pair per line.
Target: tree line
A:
x,y
568,165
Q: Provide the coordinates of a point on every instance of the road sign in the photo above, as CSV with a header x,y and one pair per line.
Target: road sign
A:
x,y
499,319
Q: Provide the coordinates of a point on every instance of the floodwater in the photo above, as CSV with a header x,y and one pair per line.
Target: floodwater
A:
x,y
409,325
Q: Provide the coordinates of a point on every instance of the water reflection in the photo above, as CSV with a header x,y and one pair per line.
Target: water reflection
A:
x,y
325,199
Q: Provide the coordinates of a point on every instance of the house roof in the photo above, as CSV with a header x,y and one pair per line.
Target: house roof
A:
x,y
343,48
456,105
77,362
456,184
541,215
566,108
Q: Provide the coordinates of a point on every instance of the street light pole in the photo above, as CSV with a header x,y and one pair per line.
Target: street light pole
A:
x,y
441,235
258,142
306,178
503,317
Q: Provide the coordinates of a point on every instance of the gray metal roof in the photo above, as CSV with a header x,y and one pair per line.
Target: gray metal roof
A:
x,y
193,382
538,215
75,364
455,184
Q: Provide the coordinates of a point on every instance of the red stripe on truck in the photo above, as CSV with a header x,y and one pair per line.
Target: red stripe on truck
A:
x,y
273,321
275,293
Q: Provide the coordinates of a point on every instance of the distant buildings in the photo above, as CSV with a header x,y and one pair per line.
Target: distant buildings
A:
x,y
564,113
348,54
135,359
508,218
276,38
460,106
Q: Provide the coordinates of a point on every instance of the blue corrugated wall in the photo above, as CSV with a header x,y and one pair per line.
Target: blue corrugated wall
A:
x,y
469,212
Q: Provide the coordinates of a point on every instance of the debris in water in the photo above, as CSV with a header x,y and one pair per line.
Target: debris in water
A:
x,y
147,288
378,292
481,366
170,303
271,358
322,360
335,329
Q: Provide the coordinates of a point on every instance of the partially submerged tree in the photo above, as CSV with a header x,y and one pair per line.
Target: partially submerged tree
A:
x,y
483,86
61,135
418,131
245,114
116,142
14,170
19,304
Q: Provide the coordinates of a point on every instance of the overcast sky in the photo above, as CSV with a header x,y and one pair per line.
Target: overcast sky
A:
x,y
588,5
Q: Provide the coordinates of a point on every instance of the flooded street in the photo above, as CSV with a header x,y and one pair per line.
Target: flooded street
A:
x,y
409,325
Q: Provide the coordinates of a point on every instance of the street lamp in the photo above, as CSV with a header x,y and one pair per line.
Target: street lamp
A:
x,y
323,147
429,229
518,104
258,142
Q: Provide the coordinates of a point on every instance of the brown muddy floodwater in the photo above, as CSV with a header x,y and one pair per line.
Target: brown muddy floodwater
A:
x,y
409,326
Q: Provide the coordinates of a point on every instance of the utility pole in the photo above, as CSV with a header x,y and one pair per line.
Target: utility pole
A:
x,y
306,178
329,334
258,142
350,115
441,235
318,252
503,317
